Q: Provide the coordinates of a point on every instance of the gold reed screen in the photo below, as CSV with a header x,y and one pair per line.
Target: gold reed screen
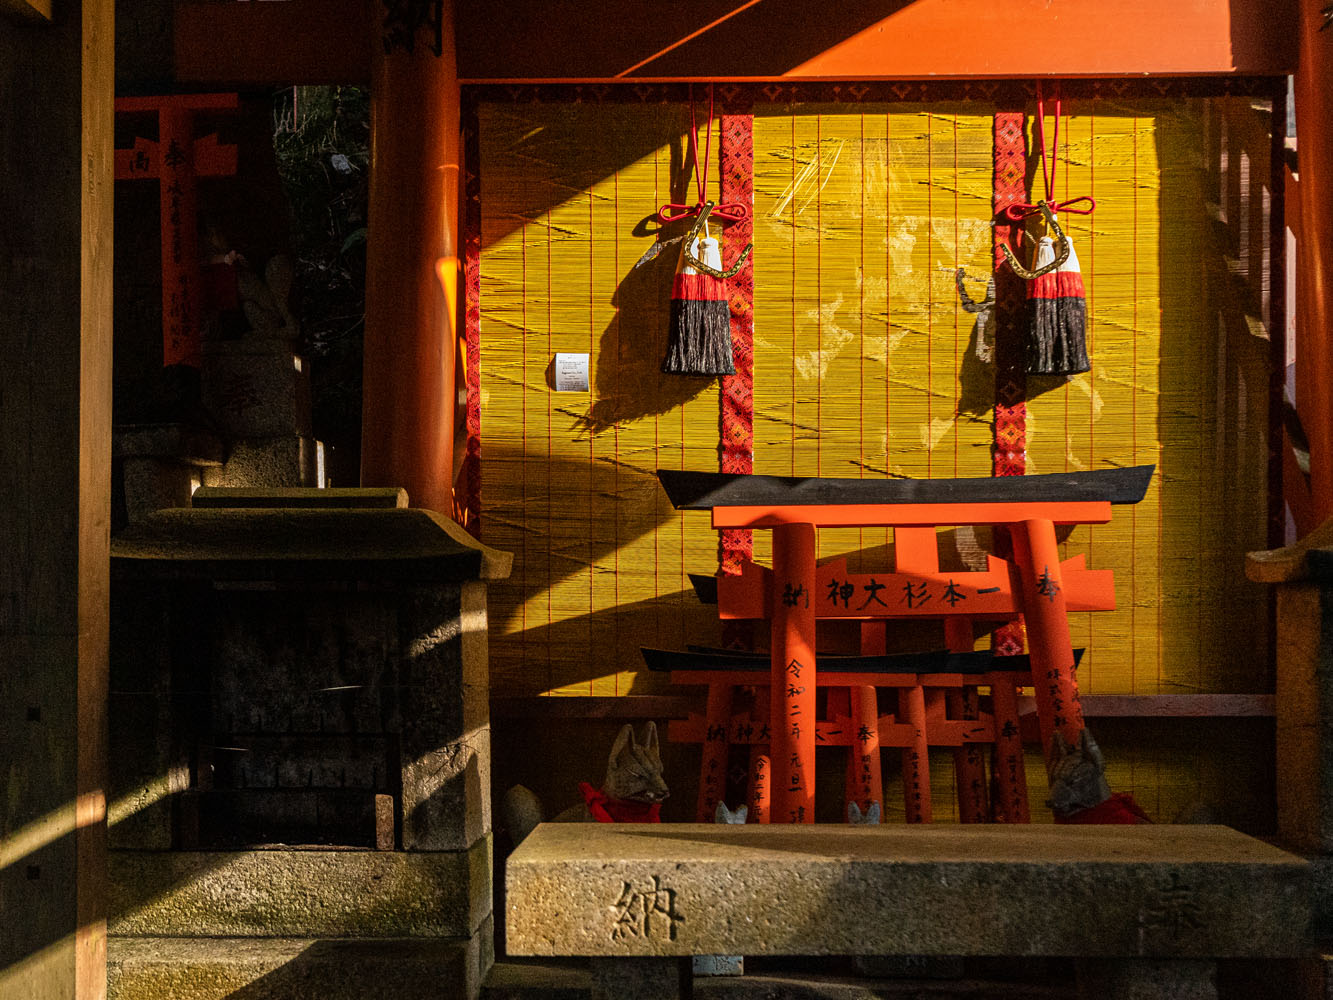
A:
x,y
865,365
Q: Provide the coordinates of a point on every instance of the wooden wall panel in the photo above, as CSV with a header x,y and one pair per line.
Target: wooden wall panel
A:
x,y
864,364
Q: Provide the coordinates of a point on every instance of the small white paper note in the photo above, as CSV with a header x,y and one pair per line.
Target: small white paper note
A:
x,y
571,373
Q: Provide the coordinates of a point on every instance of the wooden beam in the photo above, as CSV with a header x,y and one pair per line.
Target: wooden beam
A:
x,y
33,9
873,39
273,44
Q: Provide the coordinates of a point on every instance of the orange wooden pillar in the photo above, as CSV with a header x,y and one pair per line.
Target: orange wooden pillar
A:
x,y
412,263
760,798
865,776
713,767
968,761
1314,253
1011,789
793,678
1047,619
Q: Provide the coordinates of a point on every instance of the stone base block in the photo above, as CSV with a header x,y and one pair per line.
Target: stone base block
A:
x,y
697,889
300,893
640,978
280,461
1146,979
256,388
295,968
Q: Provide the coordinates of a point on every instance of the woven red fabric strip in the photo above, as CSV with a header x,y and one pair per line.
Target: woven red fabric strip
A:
x,y
1009,455
737,417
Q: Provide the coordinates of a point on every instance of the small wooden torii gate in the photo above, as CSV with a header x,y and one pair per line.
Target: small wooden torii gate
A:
x,y
792,595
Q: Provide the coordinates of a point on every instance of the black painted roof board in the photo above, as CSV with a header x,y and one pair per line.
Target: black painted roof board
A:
x,y
706,490
936,662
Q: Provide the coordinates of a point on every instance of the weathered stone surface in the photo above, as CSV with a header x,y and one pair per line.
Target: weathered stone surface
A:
x,y
340,497
400,545
156,484
256,388
1147,979
257,462
182,443
639,978
719,965
1148,891
304,893
289,969
446,793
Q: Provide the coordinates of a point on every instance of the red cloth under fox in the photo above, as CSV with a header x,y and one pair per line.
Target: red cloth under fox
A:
x,y
609,810
1119,810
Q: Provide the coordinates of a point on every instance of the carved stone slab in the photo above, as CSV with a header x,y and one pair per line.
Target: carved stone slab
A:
x,y
686,889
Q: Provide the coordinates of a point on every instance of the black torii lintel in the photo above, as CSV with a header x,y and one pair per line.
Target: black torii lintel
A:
x,y
706,490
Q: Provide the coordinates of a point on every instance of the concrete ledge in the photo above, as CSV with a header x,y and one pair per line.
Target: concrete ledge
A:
x,y
1148,891
302,893
291,968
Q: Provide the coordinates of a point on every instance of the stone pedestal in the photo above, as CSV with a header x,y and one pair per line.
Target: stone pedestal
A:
x,y
259,392
1303,575
160,465
1146,979
313,683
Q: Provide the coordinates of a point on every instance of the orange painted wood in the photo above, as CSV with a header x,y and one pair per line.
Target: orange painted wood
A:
x,y
177,160
412,321
274,44
995,593
1314,253
867,784
713,766
968,761
760,798
913,514
1046,616
916,755
749,730
740,39
792,689
1011,789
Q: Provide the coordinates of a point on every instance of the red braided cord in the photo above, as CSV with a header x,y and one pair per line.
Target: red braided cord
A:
x,y
729,211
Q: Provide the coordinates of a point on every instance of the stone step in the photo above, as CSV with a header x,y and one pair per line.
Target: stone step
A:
x,y
296,893
296,968
570,979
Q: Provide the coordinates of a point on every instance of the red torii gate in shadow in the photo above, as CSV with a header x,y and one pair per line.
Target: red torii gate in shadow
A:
x,y
1036,584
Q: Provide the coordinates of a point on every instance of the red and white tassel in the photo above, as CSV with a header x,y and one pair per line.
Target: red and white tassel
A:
x,y
700,338
1057,315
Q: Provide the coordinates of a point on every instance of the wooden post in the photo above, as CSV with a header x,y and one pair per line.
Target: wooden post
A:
x,y
55,460
1047,620
793,676
713,766
1314,253
1011,789
760,792
968,761
177,162
412,260
865,775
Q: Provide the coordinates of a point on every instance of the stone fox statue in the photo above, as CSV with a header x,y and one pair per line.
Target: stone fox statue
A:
x,y
631,793
1079,790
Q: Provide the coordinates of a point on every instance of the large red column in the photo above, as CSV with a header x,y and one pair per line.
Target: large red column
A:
x,y
1314,252
412,261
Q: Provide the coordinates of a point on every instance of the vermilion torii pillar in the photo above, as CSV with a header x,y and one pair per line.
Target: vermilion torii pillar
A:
x,y
176,161
408,406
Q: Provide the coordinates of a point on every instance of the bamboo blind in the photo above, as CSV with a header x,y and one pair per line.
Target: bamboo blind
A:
x,y
864,365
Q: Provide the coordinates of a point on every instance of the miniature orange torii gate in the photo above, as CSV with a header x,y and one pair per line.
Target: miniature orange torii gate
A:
x,y
1036,585
176,160
935,718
